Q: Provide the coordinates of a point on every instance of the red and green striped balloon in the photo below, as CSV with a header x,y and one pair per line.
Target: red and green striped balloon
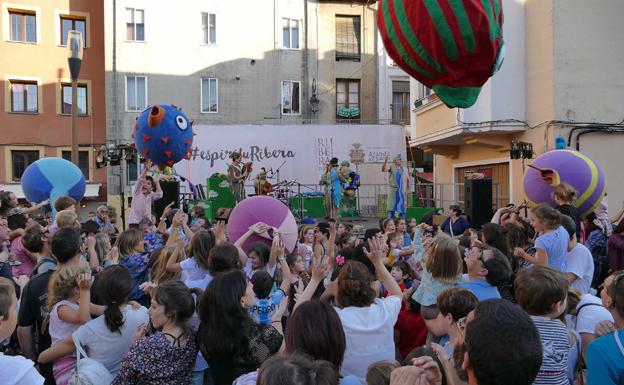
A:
x,y
450,46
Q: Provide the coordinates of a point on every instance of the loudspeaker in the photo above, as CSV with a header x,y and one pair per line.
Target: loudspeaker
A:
x,y
171,193
478,201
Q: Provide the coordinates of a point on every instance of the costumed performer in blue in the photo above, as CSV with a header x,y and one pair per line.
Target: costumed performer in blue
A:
x,y
398,180
335,182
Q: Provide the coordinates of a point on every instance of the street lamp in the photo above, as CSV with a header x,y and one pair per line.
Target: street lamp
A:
x,y
74,60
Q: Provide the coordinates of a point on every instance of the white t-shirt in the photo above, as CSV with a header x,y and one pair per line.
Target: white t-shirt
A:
x,y
580,262
589,316
106,347
18,370
370,334
191,270
249,270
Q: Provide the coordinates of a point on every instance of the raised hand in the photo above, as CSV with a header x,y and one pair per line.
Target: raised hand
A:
x,y
299,291
259,228
147,287
375,250
219,230
84,282
90,242
277,316
139,333
167,210
320,268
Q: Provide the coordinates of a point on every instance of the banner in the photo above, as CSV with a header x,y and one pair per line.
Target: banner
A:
x,y
299,152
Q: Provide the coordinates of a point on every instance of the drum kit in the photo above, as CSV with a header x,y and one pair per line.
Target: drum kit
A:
x,y
280,190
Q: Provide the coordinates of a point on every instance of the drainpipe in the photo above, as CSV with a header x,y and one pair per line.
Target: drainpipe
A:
x,y
115,96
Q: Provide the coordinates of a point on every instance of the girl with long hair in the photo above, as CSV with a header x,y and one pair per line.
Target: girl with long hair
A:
x,y
229,340
132,255
168,355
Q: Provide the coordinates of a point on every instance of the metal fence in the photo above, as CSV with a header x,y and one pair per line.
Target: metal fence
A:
x,y
372,199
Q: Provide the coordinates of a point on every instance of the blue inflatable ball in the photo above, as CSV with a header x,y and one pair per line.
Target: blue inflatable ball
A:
x,y
50,178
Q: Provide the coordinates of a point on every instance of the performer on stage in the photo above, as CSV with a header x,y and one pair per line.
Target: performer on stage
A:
x,y
398,179
237,176
335,181
261,185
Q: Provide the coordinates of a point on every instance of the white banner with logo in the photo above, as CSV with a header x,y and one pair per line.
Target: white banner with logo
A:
x,y
300,152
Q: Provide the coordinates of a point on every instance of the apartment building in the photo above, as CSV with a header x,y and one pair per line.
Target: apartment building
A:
x,y
35,119
561,76
238,62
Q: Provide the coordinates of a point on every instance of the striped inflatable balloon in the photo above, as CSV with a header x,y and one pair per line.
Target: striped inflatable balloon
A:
x,y
451,46
572,167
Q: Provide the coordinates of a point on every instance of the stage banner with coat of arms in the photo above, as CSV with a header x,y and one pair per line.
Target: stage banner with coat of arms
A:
x,y
302,151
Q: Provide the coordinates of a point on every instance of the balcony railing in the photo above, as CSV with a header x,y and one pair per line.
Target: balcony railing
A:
x,y
400,113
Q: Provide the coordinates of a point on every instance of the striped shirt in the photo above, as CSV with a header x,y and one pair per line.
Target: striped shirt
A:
x,y
555,346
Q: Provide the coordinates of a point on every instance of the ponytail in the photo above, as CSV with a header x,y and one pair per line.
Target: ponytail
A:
x,y
114,287
113,318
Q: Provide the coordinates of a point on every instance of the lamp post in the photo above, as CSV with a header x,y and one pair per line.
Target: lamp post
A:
x,y
74,60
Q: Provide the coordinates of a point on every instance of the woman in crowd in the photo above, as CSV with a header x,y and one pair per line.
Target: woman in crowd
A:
x,y
455,224
168,355
616,248
132,255
368,321
229,340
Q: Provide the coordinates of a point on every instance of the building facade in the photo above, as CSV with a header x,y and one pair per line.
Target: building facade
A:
x,y
35,118
278,62
559,77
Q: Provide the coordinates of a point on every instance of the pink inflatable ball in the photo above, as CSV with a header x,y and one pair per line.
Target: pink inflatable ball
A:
x,y
267,210
571,167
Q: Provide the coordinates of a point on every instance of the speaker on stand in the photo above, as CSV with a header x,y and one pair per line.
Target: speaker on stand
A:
x,y
478,201
171,193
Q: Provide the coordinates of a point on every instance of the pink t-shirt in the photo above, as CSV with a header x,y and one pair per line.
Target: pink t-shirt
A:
x,y
142,204
22,255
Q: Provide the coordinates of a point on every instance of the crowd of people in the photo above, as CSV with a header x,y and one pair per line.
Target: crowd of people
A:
x,y
171,300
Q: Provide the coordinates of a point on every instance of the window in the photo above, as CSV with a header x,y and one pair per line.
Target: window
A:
x,y
135,24
290,33
23,26
136,93
400,102
69,24
423,91
209,95
24,97
83,161
21,160
291,96
348,38
347,99
209,28
66,97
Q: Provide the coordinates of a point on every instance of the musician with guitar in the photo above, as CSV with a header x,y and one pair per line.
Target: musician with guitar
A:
x,y
237,174
261,184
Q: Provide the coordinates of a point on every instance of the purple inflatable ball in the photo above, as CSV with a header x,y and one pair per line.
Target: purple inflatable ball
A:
x,y
569,166
267,210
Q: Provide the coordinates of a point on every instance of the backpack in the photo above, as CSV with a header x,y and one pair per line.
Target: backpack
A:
x,y
88,371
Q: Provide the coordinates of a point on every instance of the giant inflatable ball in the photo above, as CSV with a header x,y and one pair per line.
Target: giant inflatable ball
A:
x,y
452,47
164,135
267,210
569,166
50,178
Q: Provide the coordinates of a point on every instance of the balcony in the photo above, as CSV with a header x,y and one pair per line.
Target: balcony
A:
x,y
442,130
